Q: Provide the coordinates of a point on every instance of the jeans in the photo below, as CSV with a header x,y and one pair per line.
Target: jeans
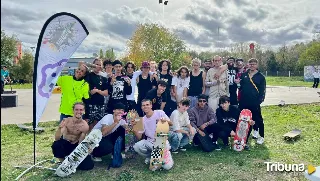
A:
x,y
193,101
177,140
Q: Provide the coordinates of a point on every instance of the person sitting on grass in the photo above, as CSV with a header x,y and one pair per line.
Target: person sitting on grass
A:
x,y
112,126
227,118
147,137
181,132
71,132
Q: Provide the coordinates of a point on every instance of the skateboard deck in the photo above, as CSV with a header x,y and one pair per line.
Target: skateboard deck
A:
x,y
292,135
242,130
130,138
71,162
159,146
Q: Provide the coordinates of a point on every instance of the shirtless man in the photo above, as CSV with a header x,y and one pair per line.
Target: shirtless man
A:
x,y
70,133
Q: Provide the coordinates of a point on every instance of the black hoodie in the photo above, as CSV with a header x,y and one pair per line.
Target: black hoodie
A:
x,y
228,119
252,95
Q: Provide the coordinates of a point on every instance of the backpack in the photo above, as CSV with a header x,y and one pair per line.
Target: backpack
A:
x,y
117,157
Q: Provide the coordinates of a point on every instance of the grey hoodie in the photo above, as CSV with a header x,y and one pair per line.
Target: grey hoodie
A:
x,y
200,116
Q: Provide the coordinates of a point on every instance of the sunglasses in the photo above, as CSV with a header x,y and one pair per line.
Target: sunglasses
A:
x,y
202,101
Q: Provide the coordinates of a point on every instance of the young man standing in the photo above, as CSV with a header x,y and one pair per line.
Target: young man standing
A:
x,y
145,82
227,118
144,146
207,65
197,84
73,89
253,91
4,77
316,76
120,87
241,70
219,86
70,133
181,132
111,126
232,72
98,87
158,95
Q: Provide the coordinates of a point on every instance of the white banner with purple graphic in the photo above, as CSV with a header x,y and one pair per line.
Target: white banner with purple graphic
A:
x,y
60,37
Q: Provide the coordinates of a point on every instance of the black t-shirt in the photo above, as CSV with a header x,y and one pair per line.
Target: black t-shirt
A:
x,y
119,90
228,119
168,79
155,99
232,73
98,82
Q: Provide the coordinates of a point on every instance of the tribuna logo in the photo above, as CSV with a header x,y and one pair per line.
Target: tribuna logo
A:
x,y
280,167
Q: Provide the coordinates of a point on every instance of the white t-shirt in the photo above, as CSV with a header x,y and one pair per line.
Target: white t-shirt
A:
x,y
316,74
180,84
179,120
107,120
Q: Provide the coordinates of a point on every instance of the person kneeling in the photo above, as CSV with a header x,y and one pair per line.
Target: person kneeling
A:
x,y
181,132
111,126
147,137
227,118
71,132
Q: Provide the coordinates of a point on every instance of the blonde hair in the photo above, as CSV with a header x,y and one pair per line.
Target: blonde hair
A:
x,y
196,60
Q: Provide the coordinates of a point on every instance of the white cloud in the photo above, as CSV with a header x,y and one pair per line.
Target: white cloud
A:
x,y
270,23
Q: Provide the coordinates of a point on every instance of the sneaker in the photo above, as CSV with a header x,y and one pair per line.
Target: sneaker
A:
x,y
174,151
260,140
122,154
147,161
194,144
216,147
182,149
96,159
255,134
247,147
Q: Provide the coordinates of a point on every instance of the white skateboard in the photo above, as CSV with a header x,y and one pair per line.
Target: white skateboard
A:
x,y
71,162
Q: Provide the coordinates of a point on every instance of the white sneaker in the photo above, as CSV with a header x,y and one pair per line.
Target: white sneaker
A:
x,y
260,140
147,161
96,159
122,154
255,134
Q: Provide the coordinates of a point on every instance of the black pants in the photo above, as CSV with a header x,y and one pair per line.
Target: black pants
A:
x,y
315,83
106,145
63,148
257,117
218,131
233,96
2,87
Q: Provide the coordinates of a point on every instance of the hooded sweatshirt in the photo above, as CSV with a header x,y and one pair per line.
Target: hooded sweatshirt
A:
x,y
198,116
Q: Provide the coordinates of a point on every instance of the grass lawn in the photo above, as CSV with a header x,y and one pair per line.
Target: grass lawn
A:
x,y
17,149
19,86
288,81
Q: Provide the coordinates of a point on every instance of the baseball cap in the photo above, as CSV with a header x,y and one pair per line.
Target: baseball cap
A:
x,y
207,60
145,64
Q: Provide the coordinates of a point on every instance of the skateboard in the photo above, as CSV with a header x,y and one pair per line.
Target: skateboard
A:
x,y
292,135
71,162
159,147
130,138
242,130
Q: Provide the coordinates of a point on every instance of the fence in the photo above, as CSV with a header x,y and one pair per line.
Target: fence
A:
x,y
283,73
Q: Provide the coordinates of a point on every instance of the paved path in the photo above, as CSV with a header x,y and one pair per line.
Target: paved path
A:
x,y
23,113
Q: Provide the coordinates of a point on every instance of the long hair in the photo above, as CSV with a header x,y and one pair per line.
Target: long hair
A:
x,y
161,63
183,68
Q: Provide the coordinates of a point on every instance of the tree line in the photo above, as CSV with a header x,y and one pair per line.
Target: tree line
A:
x,y
155,42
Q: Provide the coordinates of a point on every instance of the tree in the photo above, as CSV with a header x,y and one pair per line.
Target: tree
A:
x,y
311,56
110,54
24,69
154,42
8,48
101,54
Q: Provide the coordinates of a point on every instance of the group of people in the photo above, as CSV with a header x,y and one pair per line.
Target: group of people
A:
x,y
195,103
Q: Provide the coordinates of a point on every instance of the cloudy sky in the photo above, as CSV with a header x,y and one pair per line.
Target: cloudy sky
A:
x,y
268,22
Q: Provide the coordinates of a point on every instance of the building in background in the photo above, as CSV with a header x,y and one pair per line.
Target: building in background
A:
x,y
19,53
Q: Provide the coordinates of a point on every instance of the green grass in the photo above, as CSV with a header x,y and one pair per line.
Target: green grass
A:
x,y
17,149
19,86
288,81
